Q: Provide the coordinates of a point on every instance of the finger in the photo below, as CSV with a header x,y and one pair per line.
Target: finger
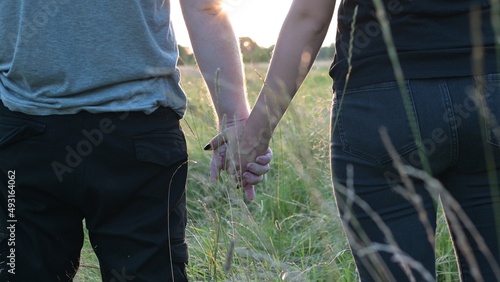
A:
x,y
250,192
265,159
258,169
221,151
251,179
238,178
215,166
231,170
215,143
218,162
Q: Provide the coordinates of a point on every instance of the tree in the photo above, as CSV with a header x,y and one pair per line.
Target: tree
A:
x,y
326,53
185,56
252,52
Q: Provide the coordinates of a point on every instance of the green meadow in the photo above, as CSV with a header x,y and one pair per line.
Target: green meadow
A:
x,y
291,231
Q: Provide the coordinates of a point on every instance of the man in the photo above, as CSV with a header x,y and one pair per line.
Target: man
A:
x,y
89,129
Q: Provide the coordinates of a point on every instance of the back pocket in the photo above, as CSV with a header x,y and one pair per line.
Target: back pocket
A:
x,y
13,130
163,148
361,115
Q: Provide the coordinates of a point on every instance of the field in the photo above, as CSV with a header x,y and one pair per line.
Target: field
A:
x,y
291,232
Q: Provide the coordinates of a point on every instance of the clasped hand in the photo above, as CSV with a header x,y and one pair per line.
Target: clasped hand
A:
x,y
239,157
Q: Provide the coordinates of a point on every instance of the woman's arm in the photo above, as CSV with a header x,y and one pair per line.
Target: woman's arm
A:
x,y
299,41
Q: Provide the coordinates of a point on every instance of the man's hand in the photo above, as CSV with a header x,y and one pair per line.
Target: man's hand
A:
x,y
251,176
245,164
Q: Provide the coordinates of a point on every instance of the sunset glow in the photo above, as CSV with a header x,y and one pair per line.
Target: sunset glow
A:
x,y
258,19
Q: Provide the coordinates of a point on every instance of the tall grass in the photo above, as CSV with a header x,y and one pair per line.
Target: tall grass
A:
x,y
291,231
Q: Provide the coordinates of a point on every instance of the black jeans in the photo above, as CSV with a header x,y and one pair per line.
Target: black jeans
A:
x,y
390,227
124,173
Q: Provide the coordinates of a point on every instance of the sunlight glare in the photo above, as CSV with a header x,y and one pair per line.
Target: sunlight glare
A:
x,y
260,20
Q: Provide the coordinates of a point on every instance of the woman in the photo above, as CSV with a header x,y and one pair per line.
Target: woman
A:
x,y
423,75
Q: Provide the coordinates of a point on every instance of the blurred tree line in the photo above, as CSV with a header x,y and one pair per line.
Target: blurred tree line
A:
x,y
252,53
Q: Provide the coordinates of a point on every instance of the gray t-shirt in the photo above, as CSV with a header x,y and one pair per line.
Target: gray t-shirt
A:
x,y
62,56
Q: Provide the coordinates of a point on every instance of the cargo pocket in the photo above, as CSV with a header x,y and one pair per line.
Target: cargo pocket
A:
x,y
179,251
163,149
13,130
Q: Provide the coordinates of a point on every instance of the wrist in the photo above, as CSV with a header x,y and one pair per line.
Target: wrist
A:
x,y
259,137
230,121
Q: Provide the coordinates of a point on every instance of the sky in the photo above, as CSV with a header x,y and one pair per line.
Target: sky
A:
x,y
258,19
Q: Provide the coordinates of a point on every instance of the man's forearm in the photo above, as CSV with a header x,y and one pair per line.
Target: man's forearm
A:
x,y
218,56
